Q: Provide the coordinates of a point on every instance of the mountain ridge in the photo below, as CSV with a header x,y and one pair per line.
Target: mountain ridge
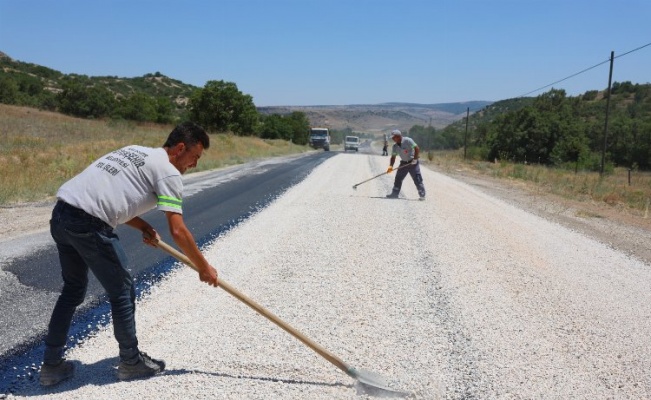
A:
x,y
381,118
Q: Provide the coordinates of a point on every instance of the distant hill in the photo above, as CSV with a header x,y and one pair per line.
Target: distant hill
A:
x,y
381,118
155,85
492,110
37,82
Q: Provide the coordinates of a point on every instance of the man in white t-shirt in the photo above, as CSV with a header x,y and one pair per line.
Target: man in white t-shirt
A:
x,y
409,153
116,189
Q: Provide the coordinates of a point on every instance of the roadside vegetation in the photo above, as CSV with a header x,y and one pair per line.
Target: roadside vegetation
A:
x,y
41,149
558,143
219,106
623,189
554,129
52,125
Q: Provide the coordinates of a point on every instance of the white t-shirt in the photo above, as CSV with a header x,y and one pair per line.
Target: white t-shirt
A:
x,y
405,149
124,184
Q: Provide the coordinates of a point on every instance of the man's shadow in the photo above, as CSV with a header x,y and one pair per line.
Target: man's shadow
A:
x,y
393,198
104,372
100,373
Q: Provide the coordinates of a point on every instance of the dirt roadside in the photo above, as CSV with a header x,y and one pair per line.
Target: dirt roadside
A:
x,y
614,226
24,219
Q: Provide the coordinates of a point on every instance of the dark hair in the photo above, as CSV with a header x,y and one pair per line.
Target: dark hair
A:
x,y
188,133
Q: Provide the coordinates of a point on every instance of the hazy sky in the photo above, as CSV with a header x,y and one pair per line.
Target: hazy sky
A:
x,y
336,52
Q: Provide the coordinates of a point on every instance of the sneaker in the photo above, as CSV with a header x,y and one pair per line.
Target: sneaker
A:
x,y
421,198
143,368
53,374
392,196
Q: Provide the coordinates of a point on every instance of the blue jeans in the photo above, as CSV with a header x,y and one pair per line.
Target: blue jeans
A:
x,y
85,242
414,171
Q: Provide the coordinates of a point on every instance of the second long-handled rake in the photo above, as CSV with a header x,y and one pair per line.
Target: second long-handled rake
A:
x,y
379,175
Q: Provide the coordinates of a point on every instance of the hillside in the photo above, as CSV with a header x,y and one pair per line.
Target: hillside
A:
x,y
23,83
33,78
381,118
492,110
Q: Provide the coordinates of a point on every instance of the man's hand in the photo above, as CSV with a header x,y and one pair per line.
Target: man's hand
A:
x,y
414,161
209,275
150,236
389,170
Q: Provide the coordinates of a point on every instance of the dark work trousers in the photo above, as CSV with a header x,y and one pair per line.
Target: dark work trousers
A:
x,y
85,242
414,171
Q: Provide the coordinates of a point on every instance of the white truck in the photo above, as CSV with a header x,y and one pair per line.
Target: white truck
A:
x,y
320,138
351,143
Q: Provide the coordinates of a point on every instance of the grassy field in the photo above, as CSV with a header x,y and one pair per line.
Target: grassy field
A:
x,y
612,189
41,150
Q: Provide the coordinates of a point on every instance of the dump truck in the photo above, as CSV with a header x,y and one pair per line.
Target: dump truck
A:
x,y
320,138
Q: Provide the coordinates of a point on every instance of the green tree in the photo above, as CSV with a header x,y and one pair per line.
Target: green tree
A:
x,y
300,127
8,90
293,127
274,127
47,101
137,107
221,107
87,102
531,134
164,110
30,85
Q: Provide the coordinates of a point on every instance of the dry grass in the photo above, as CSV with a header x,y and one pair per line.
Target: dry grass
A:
x,y
41,150
611,189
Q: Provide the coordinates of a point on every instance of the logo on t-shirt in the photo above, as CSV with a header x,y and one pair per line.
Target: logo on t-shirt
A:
x,y
122,158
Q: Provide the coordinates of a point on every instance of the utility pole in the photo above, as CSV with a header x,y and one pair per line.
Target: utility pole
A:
x,y
610,79
465,136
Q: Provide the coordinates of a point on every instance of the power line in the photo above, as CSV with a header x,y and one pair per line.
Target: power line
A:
x,y
628,52
585,70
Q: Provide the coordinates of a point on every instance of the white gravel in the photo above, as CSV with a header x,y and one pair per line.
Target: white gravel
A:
x,y
461,296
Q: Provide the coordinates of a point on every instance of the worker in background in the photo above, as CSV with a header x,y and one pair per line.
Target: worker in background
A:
x,y
409,153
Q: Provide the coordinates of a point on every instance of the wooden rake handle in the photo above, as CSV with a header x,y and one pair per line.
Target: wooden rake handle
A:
x,y
336,361
379,175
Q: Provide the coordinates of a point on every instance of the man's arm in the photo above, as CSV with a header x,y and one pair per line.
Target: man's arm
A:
x,y
148,231
391,162
184,239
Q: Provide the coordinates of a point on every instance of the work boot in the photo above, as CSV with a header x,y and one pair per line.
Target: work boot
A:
x,y
53,374
143,367
392,196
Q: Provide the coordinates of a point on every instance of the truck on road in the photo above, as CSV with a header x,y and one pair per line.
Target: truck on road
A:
x,y
320,138
351,143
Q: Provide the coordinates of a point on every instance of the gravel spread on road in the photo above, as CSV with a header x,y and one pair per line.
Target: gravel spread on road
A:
x,y
461,296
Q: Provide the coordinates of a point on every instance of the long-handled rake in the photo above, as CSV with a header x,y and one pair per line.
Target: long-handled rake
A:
x,y
365,377
379,175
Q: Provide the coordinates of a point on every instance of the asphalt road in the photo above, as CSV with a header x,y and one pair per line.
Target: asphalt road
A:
x,y
214,203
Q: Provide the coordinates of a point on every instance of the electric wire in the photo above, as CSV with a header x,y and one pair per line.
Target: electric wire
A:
x,y
585,70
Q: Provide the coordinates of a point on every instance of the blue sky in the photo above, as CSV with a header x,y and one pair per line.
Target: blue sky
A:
x,y
337,52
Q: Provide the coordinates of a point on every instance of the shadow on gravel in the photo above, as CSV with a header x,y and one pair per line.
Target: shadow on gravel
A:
x,y
255,378
392,199
104,372
359,387
100,373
